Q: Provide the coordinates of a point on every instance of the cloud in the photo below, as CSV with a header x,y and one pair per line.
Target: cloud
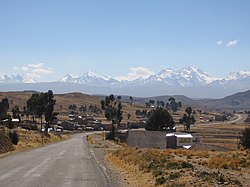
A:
x,y
35,70
232,43
219,42
136,73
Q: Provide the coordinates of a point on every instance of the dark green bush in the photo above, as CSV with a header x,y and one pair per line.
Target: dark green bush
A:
x,y
157,173
160,181
245,138
186,165
14,137
174,175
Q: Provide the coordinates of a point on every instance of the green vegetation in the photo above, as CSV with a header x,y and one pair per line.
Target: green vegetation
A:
x,y
245,138
113,112
4,106
159,119
14,137
42,104
187,120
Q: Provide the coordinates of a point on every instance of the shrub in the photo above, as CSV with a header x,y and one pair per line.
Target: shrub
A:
x,y
245,138
160,181
186,165
174,175
14,137
157,173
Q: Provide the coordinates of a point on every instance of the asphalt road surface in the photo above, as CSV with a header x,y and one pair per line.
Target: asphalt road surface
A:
x,y
68,163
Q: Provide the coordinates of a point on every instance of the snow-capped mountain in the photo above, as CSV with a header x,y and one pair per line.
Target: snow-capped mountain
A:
x,y
89,78
16,79
185,77
190,81
190,76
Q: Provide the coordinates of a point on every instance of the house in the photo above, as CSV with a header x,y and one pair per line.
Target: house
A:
x,y
80,120
66,125
176,140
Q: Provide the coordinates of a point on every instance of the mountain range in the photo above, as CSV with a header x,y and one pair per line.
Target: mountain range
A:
x,y
190,81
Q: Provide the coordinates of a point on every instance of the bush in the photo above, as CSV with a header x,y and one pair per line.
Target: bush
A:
x,y
160,181
245,138
174,175
14,137
186,165
157,173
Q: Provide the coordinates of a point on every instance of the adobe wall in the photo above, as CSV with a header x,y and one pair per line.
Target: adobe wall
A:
x,y
147,139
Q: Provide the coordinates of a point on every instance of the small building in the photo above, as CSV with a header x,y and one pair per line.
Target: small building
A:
x,y
67,125
177,140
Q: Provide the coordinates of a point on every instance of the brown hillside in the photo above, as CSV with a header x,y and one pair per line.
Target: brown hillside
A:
x,y
5,144
20,98
64,100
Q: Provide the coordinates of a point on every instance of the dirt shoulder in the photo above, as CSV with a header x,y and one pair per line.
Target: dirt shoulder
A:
x,y
101,149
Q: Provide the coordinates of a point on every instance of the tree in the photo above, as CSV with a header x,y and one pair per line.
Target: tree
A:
x,y
200,111
158,103
179,104
119,97
162,103
129,116
187,120
49,113
35,106
138,113
113,112
15,112
10,125
159,119
245,138
72,107
173,105
83,108
189,110
147,104
4,106
151,102
14,137
131,100
40,104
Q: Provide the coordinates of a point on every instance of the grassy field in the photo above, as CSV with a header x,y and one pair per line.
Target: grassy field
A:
x,y
154,167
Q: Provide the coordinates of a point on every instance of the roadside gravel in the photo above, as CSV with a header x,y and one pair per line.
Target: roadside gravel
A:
x,y
100,148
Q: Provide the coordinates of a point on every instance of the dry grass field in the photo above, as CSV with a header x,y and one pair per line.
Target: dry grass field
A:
x,y
154,167
175,167
34,139
223,135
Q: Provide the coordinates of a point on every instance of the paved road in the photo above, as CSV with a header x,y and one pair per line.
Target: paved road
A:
x,y
68,163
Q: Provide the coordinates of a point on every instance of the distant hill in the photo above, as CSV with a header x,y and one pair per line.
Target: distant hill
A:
x,y
20,98
238,101
186,101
